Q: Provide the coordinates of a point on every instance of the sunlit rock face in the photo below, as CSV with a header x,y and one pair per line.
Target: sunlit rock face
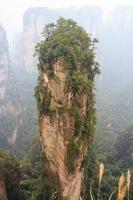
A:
x,y
55,135
10,109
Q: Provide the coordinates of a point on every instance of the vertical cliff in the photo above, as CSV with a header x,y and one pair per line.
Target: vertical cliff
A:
x,y
65,98
4,62
10,109
33,23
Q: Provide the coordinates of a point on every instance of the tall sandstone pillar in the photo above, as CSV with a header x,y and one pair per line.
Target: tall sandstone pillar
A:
x,y
66,105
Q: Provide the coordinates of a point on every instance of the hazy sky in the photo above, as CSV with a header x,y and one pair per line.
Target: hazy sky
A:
x,y
11,11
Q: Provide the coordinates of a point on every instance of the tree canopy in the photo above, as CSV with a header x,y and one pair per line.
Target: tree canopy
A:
x,y
67,41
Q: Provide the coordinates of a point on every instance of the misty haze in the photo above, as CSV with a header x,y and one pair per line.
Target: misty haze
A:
x,y
66,100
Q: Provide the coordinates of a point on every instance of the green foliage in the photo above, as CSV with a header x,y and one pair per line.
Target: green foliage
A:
x,y
72,153
117,162
25,180
78,83
78,123
43,99
33,183
11,174
31,180
61,198
90,174
68,41
42,191
124,146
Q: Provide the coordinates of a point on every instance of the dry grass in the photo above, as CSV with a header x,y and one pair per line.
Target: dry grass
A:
x,y
112,194
128,182
123,186
91,195
101,172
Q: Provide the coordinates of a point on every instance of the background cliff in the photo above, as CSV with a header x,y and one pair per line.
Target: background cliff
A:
x,y
16,125
10,109
114,90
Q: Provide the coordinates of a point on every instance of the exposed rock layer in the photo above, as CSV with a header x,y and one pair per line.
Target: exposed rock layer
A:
x,y
55,136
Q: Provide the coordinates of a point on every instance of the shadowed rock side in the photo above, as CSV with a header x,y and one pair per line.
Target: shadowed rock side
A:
x,y
10,109
66,108
3,195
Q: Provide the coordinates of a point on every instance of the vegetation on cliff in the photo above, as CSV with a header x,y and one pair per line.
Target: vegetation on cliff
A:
x,y
68,46
23,179
71,44
10,173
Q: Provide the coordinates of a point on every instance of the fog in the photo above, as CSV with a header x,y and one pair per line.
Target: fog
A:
x,y
73,109
11,12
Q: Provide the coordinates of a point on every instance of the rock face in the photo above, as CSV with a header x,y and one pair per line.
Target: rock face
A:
x,y
3,195
56,133
33,24
66,108
10,110
4,62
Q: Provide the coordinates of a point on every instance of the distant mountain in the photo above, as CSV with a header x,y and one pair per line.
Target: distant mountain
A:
x,y
115,88
10,109
34,21
17,123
